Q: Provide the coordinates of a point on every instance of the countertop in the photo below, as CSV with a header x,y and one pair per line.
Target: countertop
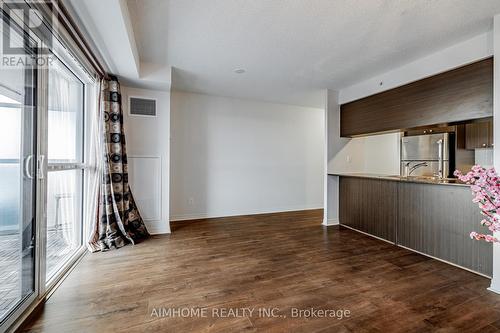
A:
x,y
411,179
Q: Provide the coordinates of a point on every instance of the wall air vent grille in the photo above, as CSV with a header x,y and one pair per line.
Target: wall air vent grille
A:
x,y
142,107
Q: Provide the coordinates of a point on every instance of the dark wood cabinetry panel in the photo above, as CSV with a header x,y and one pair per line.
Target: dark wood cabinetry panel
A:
x,y
457,95
369,205
432,219
479,135
437,220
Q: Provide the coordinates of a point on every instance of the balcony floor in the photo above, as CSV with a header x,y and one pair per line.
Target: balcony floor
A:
x,y
10,264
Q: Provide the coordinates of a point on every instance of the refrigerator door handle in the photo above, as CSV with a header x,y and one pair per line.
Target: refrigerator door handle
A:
x,y
440,158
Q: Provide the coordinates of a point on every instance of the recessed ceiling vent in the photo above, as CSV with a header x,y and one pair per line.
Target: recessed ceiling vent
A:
x,y
142,107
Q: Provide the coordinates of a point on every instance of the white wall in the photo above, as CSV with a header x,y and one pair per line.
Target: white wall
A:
x,y
495,282
148,149
382,155
234,157
376,154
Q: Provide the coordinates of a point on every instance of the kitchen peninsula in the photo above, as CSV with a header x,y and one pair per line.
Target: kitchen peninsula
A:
x,y
431,216
394,158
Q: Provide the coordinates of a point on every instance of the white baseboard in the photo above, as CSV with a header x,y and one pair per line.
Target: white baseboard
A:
x,y
330,222
496,291
495,286
157,227
197,216
155,232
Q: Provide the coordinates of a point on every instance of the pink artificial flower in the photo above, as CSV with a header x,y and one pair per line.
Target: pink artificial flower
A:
x,y
475,188
485,187
485,222
488,238
476,236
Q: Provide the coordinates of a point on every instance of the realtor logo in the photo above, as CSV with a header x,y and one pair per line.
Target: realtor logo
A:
x,y
26,40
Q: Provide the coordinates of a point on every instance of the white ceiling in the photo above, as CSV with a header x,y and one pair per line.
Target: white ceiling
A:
x,y
293,49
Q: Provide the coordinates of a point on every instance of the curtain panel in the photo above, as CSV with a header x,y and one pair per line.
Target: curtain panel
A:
x,y
118,222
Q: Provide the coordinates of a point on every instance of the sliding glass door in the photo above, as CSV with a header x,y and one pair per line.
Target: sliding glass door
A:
x,y
18,180
65,167
42,161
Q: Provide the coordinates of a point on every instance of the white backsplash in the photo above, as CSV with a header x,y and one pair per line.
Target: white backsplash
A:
x,y
484,157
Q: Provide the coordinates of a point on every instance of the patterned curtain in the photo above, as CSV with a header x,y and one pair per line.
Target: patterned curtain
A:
x,y
118,221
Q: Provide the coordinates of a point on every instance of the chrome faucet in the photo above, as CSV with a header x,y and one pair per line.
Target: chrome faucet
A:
x,y
415,167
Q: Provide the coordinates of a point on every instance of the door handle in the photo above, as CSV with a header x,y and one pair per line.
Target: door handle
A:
x,y
441,158
27,166
40,167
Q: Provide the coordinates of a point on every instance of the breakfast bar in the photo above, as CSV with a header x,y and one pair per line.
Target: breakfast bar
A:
x,y
429,216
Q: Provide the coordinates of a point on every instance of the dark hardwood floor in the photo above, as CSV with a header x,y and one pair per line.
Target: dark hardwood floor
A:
x,y
286,261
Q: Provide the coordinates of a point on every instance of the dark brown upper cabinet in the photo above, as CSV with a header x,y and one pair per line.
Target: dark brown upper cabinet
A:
x,y
461,94
479,135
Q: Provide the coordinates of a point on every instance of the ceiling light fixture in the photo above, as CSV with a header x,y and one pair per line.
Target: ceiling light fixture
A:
x,y
239,70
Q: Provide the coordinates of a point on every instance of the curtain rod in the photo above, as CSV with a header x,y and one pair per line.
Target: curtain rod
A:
x,y
78,37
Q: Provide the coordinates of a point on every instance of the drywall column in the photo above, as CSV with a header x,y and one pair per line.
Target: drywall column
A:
x,y
333,144
148,150
495,281
330,187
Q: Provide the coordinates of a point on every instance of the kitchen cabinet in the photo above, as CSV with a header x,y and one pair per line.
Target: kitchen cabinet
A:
x,y
479,135
369,205
437,220
454,96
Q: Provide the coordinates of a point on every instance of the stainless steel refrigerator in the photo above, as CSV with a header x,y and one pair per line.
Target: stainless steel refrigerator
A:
x,y
430,155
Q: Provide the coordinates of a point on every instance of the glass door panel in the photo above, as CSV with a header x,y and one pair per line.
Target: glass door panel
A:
x,y
65,118
18,158
64,199
65,168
